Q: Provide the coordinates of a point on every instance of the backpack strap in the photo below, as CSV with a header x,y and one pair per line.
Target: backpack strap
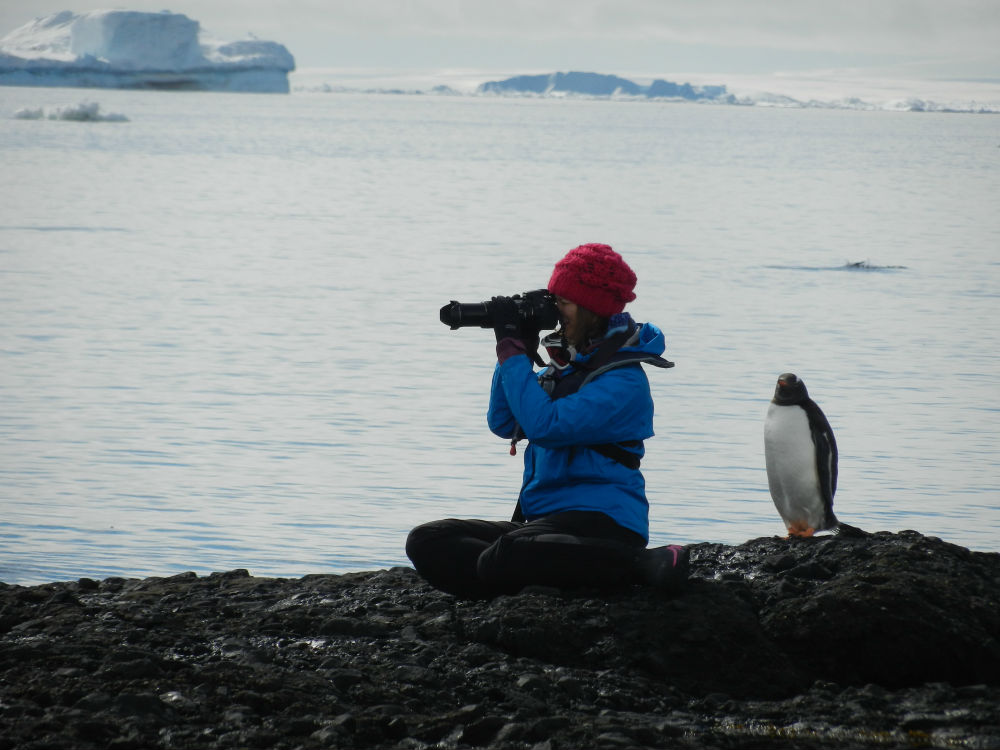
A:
x,y
602,360
617,452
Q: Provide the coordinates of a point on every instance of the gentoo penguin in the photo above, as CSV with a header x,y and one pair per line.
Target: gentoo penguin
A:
x,y
801,456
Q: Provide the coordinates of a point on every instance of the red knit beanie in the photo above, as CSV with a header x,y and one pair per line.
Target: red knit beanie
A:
x,y
595,277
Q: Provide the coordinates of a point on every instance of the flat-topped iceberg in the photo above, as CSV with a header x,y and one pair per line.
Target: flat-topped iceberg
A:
x,y
598,84
137,50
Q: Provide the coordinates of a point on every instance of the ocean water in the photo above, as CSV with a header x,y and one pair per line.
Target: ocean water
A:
x,y
221,349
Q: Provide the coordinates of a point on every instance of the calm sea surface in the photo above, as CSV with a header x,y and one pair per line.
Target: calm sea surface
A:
x,y
220,344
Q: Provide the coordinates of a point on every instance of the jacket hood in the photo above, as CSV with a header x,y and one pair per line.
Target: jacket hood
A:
x,y
648,339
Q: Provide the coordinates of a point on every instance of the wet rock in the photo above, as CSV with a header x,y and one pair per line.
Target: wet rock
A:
x,y
885,640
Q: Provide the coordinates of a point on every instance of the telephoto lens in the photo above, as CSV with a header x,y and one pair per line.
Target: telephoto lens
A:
x,y
466,314
536,309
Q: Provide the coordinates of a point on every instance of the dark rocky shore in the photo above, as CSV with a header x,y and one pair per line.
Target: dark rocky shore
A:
x,y
885,640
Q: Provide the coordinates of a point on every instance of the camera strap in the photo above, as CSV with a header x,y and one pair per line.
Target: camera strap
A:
x,y
584,370
534,356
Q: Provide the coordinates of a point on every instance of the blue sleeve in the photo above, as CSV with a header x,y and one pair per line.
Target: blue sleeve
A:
x,y
499,417
614,407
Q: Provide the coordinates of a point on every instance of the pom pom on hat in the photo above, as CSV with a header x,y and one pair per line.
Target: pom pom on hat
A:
x,y
595,277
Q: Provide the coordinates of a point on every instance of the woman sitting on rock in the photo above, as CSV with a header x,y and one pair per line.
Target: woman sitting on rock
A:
x,y
582,518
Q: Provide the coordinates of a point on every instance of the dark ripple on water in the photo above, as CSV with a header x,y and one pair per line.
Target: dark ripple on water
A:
x,y
861,265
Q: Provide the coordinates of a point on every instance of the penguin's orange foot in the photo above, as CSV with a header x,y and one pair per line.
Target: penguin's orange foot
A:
x,y
800,529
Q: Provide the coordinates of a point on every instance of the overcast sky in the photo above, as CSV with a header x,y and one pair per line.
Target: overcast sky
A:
x,y
922,38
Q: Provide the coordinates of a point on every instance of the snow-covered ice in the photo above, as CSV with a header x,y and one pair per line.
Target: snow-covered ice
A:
x,y
133,49
82,112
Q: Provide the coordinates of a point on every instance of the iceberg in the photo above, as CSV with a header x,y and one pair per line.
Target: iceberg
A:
x,y
600,85
124,49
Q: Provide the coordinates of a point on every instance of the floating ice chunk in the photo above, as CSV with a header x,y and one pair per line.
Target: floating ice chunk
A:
x,y
82,112
29,114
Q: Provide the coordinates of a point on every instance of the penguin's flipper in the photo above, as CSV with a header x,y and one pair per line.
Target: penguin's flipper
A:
x,y
827,458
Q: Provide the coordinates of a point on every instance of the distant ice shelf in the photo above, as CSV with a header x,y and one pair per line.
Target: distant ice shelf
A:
x,y
589,85
124,49
599,85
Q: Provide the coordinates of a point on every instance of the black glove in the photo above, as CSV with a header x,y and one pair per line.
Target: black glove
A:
x,y
530,337
506,319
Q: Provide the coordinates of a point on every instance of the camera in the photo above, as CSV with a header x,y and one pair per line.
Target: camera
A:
x,y
537,310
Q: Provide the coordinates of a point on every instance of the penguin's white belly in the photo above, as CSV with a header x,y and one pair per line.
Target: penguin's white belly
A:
x,y
791,466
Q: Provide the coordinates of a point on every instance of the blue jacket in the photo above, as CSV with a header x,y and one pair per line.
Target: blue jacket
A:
x,y
559,473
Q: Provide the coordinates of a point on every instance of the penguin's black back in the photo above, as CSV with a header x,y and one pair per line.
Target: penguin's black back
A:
x,y
826,450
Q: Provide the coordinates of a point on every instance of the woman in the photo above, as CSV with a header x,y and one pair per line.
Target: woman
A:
x,y
582,514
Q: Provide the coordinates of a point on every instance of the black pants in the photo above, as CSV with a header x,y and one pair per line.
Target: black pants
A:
x,y
481,559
